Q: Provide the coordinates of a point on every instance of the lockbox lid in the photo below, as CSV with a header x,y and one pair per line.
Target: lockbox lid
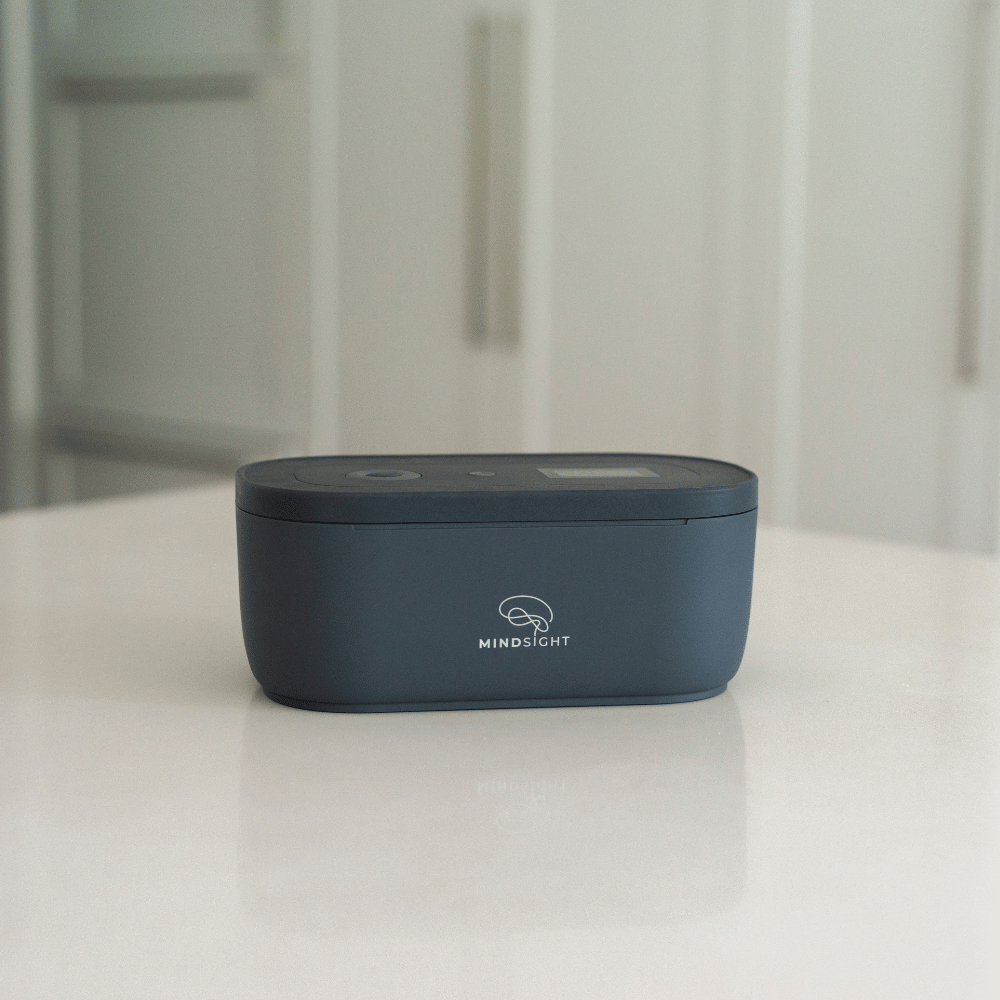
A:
x,y
429,489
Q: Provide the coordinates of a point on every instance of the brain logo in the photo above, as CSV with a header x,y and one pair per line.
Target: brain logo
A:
x,y
523,609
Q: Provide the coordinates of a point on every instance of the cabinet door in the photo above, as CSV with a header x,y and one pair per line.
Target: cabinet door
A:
x,y
611,217
735,229
175,245
665,172
422,368
766,217
895,440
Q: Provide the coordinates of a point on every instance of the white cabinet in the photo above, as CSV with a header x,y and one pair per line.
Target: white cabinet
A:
x,y
762,216
174,249
664,185
415,373
646,224
737,229
756,219
616,216
892,443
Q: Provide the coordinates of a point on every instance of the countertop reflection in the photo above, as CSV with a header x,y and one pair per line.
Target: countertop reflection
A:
x,y
479,821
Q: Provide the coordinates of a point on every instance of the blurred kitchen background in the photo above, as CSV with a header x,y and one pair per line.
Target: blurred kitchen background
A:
x,y
757,230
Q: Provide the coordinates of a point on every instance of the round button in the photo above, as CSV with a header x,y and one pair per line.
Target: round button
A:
x,y
482,473
383,474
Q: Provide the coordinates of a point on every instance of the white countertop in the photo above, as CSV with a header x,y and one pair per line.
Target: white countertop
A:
x,y
828,827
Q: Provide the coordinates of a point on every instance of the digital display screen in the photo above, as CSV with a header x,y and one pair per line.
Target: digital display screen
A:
x,y
634,472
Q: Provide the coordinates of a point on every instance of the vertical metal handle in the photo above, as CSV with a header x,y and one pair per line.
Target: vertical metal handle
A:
x,y
496,138
977,251
271,23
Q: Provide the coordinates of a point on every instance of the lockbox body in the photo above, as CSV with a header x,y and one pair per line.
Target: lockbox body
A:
x,y
403,583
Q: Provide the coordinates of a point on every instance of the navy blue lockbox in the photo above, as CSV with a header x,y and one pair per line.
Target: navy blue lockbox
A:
x,y
404,583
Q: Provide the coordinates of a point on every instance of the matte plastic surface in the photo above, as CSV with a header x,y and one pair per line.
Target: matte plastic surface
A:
x,y
365,489
399,617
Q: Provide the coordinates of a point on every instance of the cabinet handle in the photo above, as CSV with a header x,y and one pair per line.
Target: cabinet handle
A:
x,y
496,139
977,251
